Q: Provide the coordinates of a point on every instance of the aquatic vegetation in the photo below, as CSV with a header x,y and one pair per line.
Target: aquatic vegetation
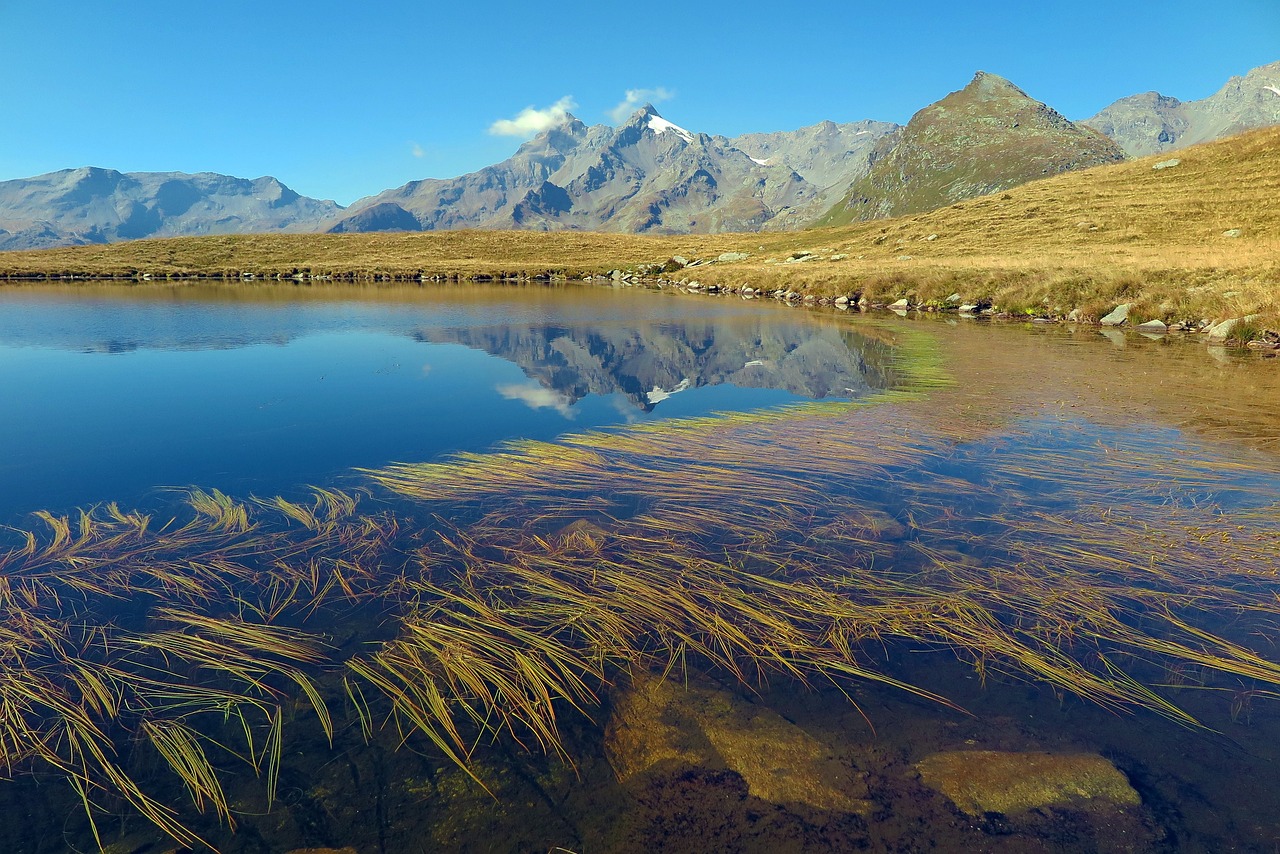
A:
x,y
488,596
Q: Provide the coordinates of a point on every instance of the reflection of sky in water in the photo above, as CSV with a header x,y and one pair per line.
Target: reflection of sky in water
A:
x,y
265,398
979,495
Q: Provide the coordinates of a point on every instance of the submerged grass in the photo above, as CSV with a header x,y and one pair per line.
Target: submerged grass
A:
x,y
783,545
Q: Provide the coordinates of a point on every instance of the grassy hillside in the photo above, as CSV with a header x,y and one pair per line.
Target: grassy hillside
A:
x,y
1088,239
987,137
1120,233
456,253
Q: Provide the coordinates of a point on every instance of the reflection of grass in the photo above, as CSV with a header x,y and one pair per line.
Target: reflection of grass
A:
x,y
775,545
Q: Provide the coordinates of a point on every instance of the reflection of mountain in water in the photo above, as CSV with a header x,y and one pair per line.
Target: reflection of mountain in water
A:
x,y
650,362
602,342
114,325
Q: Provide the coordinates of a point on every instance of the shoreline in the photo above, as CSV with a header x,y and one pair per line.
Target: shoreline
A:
x,y
1233,332
1222,333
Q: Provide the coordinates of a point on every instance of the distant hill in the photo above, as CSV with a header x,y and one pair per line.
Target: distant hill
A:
x,y
647,175
1151,123
91,205
987,137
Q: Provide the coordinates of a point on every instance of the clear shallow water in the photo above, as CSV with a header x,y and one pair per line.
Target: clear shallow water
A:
x,y
114,392
1058,481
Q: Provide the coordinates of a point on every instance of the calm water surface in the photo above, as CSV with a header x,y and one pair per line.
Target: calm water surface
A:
x,y
111,393
1050,456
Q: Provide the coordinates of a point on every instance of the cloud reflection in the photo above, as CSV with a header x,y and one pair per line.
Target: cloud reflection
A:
x,y
535,396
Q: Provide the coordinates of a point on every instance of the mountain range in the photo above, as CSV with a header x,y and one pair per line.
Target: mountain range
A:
x,y
1151,123
651,175
90,205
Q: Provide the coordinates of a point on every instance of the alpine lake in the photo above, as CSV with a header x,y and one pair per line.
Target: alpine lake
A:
x,y
585,568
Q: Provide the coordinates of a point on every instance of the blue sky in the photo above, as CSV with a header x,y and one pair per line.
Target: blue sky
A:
x,y
341,101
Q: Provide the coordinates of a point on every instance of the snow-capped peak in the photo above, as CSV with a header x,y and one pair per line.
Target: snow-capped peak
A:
x,y
1272,89
659,125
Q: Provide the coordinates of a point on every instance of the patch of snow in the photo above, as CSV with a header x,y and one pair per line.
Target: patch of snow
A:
x,y
660,394
753,363
659,125
1272,89
862,133
759,162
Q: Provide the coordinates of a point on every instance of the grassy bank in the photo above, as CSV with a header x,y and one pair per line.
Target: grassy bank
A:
x,y
1200,239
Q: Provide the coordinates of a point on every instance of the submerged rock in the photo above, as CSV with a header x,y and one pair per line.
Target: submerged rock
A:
x,y
657,725
989,781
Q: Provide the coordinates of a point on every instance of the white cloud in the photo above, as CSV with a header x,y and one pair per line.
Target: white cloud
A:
x,y
535,396
530,121
418,150
636,97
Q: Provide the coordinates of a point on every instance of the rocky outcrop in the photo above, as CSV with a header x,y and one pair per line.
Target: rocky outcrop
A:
x,y
987,137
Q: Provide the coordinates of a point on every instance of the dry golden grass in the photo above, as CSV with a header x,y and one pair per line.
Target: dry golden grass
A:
x,y
1084,240
462,254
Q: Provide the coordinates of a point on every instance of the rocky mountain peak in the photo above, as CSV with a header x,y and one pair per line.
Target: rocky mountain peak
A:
x,y
987,95
981,139
648,118
988,85
1152,122
561,139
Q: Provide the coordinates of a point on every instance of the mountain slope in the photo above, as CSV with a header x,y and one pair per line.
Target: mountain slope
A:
x,y
823,154
987,137
827,155
91,205
646,176
1151,123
